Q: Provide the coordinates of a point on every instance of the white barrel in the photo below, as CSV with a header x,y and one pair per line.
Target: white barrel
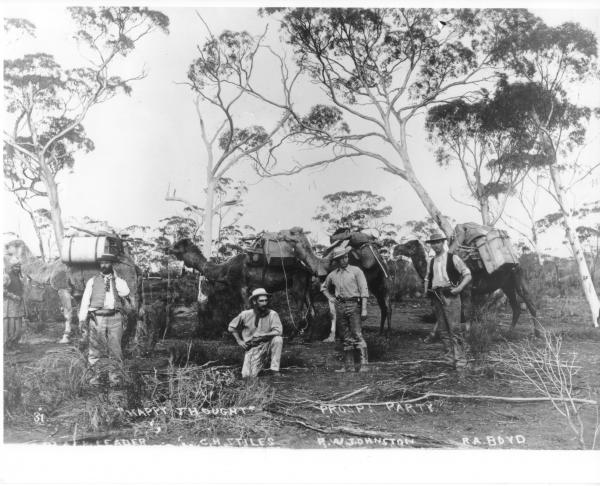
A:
x,y
84,249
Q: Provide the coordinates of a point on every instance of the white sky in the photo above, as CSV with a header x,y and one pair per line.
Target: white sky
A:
x,y
152,138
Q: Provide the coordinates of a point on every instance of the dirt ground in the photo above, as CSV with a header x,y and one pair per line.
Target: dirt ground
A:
x,y
312,406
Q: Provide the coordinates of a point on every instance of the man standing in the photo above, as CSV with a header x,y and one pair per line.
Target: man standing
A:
x,y
447,276
103,306
14,308
346,288
258,331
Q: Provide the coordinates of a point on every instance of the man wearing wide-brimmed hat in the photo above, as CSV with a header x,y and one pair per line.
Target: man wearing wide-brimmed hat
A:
x,y
259,332
346,287
103,307
447,276
14,308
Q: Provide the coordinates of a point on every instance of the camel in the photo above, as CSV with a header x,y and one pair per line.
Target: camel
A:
x,y
69,282
367,258
509,279
239,276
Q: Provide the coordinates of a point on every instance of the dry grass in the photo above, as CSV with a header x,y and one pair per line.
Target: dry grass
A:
x,y
482,333
48,383
553,373
57,384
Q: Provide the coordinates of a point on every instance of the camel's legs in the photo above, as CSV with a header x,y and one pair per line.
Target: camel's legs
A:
x,y
64,296
509,290
523,292
331,337
384,302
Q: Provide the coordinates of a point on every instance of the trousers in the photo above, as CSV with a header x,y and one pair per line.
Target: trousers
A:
x,y
13,329
105,338
255,358
447,313
348,315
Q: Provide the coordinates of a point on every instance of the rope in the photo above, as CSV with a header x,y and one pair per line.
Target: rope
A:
x,y
377,260
287,295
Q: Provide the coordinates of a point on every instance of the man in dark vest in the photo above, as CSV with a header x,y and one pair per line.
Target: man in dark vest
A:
x,y
102,305
14,309
446,278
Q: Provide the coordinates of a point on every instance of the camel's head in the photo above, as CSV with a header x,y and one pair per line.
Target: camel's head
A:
x,y
409,248
180,248
297,238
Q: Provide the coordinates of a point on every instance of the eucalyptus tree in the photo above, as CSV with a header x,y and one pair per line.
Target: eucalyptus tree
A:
x,y
220,77
549,63
379,70
48,103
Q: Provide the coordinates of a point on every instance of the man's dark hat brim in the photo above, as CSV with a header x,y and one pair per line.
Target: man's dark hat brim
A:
x,y
436,237
108,258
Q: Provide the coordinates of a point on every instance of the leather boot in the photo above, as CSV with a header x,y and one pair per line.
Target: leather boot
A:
x,y
348,361
361,362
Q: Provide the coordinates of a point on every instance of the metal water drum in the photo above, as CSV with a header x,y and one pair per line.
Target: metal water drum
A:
x,y
496,250
86,249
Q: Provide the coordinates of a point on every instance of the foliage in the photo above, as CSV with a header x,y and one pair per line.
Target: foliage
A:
x,y
355,210
47,103
491,140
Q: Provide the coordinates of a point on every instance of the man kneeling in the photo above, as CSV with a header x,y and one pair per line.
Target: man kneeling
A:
x,y
261,331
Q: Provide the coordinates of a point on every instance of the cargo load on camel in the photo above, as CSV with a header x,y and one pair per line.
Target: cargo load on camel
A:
x,y
486,247
88,249
269,249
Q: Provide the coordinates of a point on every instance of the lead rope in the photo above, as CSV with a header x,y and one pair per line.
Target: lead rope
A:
x,y
287,295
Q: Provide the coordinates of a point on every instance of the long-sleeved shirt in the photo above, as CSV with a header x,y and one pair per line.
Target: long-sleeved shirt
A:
x,y
440,275
245,324
109,299
347,283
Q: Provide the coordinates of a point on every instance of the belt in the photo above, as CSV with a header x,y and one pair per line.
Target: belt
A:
x,y
445,291
105,312
348,299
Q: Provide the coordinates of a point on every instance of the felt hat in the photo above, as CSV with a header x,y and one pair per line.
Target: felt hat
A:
x,y
435,237
258,292
340,252
107,257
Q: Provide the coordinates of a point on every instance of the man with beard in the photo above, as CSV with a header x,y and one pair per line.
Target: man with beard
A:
x,y
346,288
14,309
258,331
102,306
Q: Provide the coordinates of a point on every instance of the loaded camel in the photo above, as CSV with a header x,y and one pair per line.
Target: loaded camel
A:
x,y
509,279
69,282
238,275
367,258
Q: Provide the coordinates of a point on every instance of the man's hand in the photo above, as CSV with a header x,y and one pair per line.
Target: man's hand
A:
x,y
455,290
242,344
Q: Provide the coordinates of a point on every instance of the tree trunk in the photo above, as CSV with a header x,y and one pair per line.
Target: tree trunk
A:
x,y
38,233
536,244
582,267
484,206
431,207
55,210
208,214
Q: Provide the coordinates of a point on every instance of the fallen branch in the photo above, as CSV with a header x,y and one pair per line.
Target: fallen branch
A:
x,y
355,392
342,429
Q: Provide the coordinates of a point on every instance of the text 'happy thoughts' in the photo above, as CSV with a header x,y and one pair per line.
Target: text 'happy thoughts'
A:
x,y
186,411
